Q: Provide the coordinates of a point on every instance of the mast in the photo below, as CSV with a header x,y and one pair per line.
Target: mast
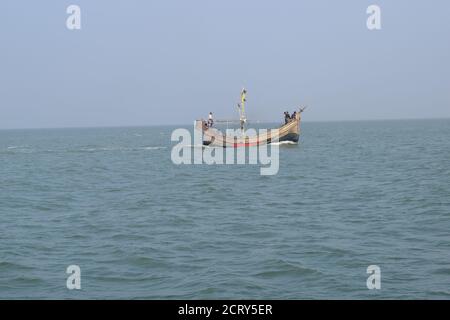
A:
x,y
242,117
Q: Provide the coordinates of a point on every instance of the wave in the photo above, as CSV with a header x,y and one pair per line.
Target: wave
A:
x,y
283,268
152,148
203,146
121,148
20,149
17,149
194,146
284,143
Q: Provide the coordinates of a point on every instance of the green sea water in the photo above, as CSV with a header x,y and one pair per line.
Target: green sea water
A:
x,y
110,200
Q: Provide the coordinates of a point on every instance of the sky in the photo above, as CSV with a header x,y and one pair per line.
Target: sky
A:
x,y
137,63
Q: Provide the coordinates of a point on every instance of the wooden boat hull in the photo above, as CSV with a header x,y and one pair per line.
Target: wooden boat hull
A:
x,y
288,132
292,137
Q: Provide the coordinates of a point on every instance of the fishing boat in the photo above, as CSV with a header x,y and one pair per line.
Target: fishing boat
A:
x,y
290,131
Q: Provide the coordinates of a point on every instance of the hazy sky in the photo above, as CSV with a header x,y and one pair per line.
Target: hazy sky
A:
x,y
169,62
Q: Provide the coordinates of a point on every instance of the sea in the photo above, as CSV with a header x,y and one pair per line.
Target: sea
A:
x,y
349,198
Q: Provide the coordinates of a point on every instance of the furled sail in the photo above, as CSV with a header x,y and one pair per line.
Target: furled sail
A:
x,y
242,117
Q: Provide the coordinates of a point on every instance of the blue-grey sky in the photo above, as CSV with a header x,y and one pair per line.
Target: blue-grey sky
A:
x,y
169,62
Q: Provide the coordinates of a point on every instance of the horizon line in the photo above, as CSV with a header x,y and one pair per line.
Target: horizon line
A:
x,y
185,124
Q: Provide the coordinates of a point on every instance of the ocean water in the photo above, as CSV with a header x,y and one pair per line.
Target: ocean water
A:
x,y
349,195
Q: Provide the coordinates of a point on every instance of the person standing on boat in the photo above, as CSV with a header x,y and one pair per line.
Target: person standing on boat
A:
x,y
294,115
210,120
286,117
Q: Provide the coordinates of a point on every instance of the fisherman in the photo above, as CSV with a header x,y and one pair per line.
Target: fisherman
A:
x,y
294,115
210,120
286,117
